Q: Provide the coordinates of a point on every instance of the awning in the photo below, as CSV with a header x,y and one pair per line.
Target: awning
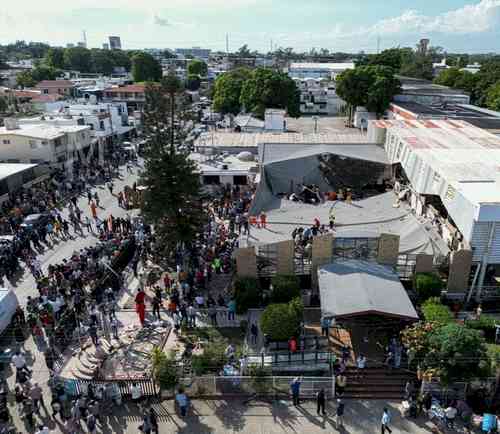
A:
x,y
352,288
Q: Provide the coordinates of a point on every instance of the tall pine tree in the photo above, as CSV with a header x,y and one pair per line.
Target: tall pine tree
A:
x,y
172,201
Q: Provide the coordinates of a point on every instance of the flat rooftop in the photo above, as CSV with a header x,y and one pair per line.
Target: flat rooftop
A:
x,y
325,66
465,156
43,131
253,140
9,169
482,118
418,86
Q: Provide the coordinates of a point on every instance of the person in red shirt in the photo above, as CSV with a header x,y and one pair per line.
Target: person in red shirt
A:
x,y
263,220
140,307
292,345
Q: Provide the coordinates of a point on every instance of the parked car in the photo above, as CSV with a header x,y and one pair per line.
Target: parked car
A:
x,y
35,221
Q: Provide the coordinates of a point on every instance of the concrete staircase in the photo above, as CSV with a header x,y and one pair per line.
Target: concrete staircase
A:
x,y
88,360
376,383
219,283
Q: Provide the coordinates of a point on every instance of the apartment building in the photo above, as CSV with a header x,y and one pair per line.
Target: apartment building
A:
x,y
318,97
56,87
133,95
38,142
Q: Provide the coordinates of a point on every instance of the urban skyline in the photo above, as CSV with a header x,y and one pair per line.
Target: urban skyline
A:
x,y
456,25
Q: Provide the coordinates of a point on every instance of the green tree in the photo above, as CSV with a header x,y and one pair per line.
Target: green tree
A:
x,y
428,285
43,72
227,90
459,353
270,89
244,51
25,79
172,200
102,62
78,59
436,312
145,68
285,288
54,58
197,67
391,58
247,294
120,59
448,77
165,370
193,82
493,97
280,322
372,87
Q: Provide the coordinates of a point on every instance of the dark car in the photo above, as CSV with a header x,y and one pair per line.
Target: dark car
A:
x,y
35,221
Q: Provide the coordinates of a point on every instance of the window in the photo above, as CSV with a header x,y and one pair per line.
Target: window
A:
x,y
101,125
46,91
211,180
32,144
356,248
45,142
6,142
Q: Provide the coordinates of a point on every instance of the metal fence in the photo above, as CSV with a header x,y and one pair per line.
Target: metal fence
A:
x,y
148,386
271,386
288,358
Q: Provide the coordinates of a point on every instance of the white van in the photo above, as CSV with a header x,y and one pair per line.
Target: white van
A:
x,y
8,306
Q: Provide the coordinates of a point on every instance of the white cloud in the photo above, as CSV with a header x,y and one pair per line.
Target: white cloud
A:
x,y
473,18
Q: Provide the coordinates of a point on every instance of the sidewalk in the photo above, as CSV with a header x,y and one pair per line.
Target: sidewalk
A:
x,y
361,417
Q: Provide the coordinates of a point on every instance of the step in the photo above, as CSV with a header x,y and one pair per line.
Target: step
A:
x,y
84,361
370,396
77,374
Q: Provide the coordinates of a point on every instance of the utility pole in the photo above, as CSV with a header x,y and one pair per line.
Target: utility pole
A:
x,y
271,45
378,44
85,38
227,43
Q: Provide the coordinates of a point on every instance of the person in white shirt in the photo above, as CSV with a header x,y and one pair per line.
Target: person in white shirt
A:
x,y
450,413
136,393
361,362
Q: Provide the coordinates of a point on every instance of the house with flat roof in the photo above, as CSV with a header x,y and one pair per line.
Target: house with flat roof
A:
x,y
63,88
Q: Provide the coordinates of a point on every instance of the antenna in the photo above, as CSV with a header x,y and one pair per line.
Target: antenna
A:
x,y
378,44
227,43
271,45
85,38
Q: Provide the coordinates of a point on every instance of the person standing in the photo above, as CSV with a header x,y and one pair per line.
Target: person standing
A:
x,y
321,402
386,418
295,388
231,309
182,401
254,332
140,307
325,326
156,307
93,210
340,413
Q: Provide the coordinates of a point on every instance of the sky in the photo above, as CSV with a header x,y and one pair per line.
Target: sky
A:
x,y
338,25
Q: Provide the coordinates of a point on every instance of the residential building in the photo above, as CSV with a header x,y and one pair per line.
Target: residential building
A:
x,y
63,88
14,176
327,71
196,52
105,46
132,94
115,43
318,96
40,142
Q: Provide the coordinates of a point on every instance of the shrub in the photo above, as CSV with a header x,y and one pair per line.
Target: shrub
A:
x,y
281,321
164,369
247,294
486,324
285,288
212,359
428,285
436,312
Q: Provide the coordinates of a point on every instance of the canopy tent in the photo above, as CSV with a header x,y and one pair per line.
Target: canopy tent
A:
x,y
353,288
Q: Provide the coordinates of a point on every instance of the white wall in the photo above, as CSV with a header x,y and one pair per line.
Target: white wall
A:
x,y
21,149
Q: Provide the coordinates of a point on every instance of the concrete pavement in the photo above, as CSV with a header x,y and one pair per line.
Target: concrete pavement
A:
x,y
233,416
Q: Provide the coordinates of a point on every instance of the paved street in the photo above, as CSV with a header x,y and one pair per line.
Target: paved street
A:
x,y
233,416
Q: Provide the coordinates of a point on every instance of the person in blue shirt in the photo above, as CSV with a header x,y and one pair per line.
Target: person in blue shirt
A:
x,y
182,401
295,388
489,423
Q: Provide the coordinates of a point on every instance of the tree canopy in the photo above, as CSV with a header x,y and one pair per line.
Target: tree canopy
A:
x,y
493,97
197,67
78,59
368,86
145,68
266,88
193,82
281,321
227,90
172,200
